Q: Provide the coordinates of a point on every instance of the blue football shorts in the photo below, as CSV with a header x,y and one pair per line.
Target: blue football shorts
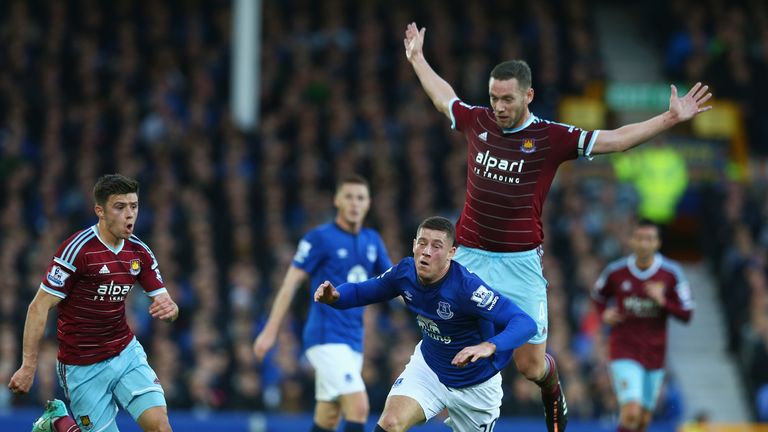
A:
x,y
634,383
517,275
94,391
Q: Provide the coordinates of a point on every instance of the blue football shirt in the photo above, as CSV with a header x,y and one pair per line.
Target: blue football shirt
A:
x,y
458,311
331,253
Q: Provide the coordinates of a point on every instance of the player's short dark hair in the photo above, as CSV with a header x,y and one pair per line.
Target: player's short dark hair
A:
x,y
439,223
517,69
113,184
647,223
352,179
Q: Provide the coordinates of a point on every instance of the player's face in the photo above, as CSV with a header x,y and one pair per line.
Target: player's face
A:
x,y
432,252
645,241
352,201
509,102
119,215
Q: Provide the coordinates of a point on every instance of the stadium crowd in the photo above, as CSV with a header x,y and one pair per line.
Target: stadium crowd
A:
x,y
141,88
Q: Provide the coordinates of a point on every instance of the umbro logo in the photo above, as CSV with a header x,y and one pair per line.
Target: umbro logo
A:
x,y
483,136
104,269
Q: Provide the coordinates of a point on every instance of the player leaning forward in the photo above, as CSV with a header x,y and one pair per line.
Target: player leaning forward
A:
x,y
100,362
455,365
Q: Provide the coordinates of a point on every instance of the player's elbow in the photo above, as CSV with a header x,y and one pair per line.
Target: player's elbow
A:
x,y
525,325
530,326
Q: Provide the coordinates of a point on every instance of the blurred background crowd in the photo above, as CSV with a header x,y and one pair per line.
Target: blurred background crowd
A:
x,y
142,88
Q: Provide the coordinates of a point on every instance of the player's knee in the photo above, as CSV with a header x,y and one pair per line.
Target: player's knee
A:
x,y
631,415
154,419
391,423
357,410
645,421
530,366
328,417
159,426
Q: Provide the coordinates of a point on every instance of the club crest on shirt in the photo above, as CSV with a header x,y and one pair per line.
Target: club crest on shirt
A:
x,y
135,267
444,310
528,146
85,422
626,285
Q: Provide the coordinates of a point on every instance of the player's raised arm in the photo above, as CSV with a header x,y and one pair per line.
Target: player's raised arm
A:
x,y
37,317
680,109
438,90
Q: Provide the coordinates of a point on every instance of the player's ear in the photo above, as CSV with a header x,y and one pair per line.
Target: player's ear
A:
x,y
529,95
99,210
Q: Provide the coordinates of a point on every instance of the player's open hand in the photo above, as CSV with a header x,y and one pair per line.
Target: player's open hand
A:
x,y
473,353
163,308
612,316
686,107
414,41
326,293
22,379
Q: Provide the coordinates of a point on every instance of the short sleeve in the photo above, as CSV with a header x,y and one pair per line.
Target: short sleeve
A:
x,y
309,252
461,114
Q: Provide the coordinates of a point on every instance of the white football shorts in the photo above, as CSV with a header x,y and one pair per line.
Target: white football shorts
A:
x,y
337,370
474,408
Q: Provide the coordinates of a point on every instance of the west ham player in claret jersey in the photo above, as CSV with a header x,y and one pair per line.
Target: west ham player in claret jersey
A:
x,y
455,366
88,279
635,295
512,159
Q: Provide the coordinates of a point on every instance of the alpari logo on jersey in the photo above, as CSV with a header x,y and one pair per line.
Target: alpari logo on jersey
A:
x,y
430,328
641,307
357,274
57,276
444,310
112,292
489,167
528,146
135,267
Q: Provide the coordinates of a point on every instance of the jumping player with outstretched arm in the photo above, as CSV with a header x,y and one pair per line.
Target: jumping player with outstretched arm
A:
x,y
512,158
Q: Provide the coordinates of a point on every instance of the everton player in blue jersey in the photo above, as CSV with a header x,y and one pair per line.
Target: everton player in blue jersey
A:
x,y
341,251
469,331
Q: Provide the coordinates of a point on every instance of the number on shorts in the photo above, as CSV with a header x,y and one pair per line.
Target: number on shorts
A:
x,y
489,427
